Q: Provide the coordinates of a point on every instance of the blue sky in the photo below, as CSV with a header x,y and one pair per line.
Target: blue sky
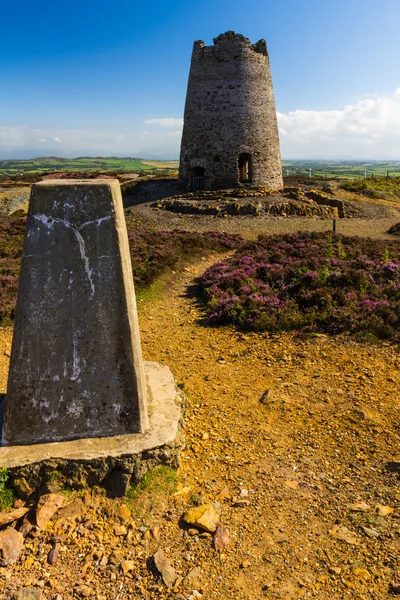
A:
x,y
110,78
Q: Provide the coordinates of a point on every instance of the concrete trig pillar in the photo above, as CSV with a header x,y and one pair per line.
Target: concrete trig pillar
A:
x,y
76,364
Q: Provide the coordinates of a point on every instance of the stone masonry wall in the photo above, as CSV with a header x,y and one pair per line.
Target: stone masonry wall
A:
x,y
230,110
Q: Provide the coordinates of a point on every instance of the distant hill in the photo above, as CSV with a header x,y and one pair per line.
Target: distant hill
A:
x,y
85,163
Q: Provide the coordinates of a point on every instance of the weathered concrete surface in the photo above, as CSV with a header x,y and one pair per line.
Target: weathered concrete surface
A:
x,y
229,111
91,461
76,365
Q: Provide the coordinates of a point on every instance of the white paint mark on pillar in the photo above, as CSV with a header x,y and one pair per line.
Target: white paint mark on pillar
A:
x,y
76,371
48,222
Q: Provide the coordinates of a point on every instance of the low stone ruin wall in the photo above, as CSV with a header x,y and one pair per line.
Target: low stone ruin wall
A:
x,y
236,207
292,201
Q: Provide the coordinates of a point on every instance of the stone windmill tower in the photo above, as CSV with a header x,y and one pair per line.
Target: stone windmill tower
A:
x,y
230,135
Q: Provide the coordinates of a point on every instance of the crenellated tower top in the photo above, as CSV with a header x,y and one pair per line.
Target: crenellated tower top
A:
x,y
232,39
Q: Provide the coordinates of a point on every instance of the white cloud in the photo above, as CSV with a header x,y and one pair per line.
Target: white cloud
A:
x,y
367,129
74,142
167,122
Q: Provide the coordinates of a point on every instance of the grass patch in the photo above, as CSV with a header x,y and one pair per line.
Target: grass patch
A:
x,y
7,494
161,479
152,293
310,282
386,189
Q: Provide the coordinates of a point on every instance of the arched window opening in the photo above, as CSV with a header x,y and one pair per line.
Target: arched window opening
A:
x,y
199,172
245,168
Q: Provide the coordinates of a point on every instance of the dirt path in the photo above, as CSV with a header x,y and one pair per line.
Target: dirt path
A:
x,y
318,444
285,471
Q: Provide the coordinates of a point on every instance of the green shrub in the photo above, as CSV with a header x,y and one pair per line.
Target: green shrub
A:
x,y
7,494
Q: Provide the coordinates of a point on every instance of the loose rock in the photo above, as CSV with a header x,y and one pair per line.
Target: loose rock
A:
x,y
205,516
370,532
342,533
48,505
124,512
11,544
127,566
13,515
221,538
29,593
165,569
384,511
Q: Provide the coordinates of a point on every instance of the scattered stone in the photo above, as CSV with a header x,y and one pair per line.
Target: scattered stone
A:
x,y
238,502
124,512
11,544
165,569
292,484
192,531
384,511
104,561
244,493
224,493
342,533
48,505
221,538
52,555
359,507
127,566
13,515
335,570
372,533
245,564
120,530
29,593
194,578
362,573
26,527
205,516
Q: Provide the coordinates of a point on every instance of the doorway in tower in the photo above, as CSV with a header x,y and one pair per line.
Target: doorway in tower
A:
x,y
245,168
198,179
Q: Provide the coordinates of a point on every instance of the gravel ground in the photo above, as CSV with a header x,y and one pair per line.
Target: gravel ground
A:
x,y
250,227
300,473
291,434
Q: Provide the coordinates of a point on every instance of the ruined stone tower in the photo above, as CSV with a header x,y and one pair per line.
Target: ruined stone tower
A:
x,y
230,135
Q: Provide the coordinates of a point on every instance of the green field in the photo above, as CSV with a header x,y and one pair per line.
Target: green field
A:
x,y
51,164
319,168
342,169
